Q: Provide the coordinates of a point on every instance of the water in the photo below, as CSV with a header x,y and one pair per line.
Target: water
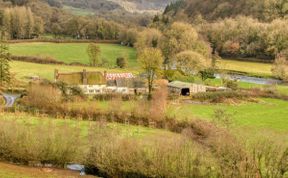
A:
x,y
254,80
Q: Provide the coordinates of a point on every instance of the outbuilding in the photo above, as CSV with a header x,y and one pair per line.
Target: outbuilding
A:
x,y
185,88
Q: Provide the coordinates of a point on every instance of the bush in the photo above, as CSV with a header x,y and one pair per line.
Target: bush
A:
x,y
121,62
43,96
158,104
35,59
112,96
207,74
173,75
76,91
231,84
220,96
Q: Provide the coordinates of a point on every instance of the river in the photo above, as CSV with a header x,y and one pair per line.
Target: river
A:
x,y
254,80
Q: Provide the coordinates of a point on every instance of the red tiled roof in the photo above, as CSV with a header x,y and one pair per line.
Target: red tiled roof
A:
x,y
114,76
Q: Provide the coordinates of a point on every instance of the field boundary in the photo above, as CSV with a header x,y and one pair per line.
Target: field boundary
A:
x,y
243,59
63,41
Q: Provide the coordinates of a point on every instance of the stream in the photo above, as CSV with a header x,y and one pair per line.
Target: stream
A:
x,y
253,80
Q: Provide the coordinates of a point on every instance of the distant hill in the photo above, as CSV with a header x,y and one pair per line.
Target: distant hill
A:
x,y
265,10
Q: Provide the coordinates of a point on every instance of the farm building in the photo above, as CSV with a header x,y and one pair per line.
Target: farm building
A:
x,y
184,88
99,83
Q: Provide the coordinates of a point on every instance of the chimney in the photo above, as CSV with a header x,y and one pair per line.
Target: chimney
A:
x,y
56,75
85,80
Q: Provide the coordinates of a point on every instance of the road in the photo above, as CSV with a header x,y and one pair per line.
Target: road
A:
x,y
10,99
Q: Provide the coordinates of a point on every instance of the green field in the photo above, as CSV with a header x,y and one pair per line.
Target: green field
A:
x,y
24,70
252,68
268,114
265,114
76,52
73,52
124,130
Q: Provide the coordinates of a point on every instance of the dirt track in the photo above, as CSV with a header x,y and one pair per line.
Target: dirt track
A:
x,y
15,171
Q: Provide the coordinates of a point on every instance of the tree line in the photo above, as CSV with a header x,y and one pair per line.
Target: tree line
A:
x,y
238,29
35,18
264,10
246,37
21,23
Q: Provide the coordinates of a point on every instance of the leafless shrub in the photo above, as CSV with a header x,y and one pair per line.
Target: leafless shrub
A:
x,y
159,102
46,97
152,157
222,118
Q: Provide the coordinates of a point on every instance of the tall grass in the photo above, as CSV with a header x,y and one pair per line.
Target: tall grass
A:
x,y
47,144
156,157
202,150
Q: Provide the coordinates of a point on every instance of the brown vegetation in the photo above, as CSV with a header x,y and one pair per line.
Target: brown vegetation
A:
x,y
43,96
47,144
34,59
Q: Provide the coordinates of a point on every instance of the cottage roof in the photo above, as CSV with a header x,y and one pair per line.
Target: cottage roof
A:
x,y
180,85
115,76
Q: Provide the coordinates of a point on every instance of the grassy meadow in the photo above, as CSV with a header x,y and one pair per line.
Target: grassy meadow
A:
x,y
76,52
73,52
22,70
263,114
252,68
124,130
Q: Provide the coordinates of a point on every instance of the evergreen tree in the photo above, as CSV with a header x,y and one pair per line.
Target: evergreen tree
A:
x,y
4,61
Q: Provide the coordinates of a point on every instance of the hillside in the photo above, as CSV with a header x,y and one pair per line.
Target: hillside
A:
x,y
132,6
212,10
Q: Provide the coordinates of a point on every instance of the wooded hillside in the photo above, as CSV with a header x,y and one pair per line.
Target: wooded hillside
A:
x,y
265,10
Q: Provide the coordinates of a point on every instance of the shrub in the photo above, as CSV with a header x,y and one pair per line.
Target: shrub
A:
x,y
43,96
76,91
159,102
121,62
111,96
207,74
231,84
220,96
222,118
173,75
280,66
35,59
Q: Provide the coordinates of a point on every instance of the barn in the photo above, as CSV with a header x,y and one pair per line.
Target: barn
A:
x,y
185,88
